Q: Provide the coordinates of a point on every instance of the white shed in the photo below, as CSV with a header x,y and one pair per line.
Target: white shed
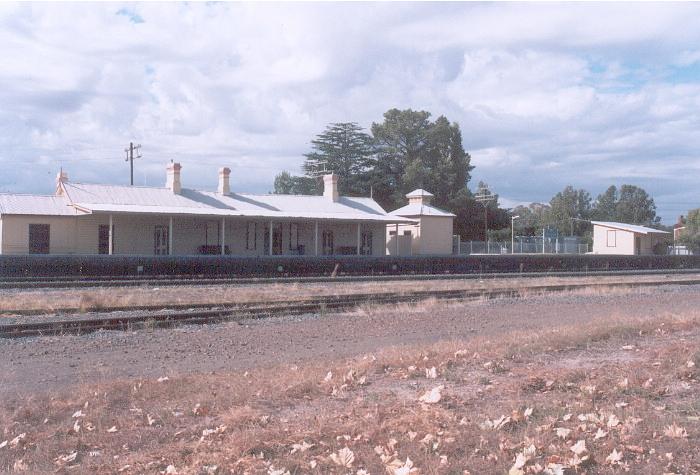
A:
x,y
628,239
430,234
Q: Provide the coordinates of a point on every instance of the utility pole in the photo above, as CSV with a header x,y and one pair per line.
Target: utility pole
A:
x,y
130,157
484,196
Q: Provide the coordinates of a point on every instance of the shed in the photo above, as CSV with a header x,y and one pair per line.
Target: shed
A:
x,y
626,239
431,232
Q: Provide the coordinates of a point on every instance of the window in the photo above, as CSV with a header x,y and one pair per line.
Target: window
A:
x,y
212,233
251,235
160,241
366,243
612,238
103,239
407,233
39,238
327,240
293,236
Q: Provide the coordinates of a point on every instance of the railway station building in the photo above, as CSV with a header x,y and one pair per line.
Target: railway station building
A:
x,y
90,219
429,233
626,239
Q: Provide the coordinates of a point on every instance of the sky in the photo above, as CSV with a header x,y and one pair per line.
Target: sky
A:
x,y
546,94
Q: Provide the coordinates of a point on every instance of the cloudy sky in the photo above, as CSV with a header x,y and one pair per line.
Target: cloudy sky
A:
x,y
546,95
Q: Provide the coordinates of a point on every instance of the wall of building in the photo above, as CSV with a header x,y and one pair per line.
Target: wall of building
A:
x,y
624,241
432,235
435,235
134,235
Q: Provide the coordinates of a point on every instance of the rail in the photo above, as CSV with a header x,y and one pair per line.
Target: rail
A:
x,y
228,313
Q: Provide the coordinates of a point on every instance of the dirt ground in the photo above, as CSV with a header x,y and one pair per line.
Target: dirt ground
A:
x,y
579,383
48,363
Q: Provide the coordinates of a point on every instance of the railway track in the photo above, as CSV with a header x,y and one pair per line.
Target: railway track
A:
x,y
194,280
203,314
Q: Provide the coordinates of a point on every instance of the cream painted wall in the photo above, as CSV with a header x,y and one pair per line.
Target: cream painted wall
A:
x,y
133,235
432,235
624,241
16,233
436,235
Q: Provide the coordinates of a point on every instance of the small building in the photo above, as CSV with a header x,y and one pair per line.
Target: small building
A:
x,y
174,220
626,239
429,233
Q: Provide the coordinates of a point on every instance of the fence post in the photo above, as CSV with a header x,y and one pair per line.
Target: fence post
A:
x,y
471,247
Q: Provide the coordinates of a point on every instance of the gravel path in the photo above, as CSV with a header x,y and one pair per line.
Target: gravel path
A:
x,y
42,364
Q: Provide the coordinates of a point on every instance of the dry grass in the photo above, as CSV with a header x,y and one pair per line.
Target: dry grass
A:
x,y
523,402
125,297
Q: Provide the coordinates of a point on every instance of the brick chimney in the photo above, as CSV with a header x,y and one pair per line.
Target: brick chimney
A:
x,y
330,187
173,178
224,186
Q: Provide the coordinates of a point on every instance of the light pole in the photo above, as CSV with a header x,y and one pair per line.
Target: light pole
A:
x,y
512,233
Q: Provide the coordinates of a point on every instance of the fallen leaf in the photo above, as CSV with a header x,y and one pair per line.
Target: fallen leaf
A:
x,y
344,457
67,458
433,396
600,434
579,447
562,432
163,379
431,373
675,432
78,413
303,447
16,441
112,429
614,458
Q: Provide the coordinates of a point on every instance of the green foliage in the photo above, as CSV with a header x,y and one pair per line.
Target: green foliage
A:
x,y
532,219
346,150
690,236
631,204
286,184
413,152
566,207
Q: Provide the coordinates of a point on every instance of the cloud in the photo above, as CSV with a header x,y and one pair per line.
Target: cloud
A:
x,y
546,94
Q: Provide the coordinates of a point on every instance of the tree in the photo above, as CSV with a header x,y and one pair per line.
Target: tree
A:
x,y
690,236
605,207
287,184
531,218
630,204
413,152
344,149
635,206
565,205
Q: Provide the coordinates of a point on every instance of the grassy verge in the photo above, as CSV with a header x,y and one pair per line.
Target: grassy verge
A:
x,y
126,297
610,397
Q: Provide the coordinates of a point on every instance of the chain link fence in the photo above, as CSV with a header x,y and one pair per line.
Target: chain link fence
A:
x,y
521,245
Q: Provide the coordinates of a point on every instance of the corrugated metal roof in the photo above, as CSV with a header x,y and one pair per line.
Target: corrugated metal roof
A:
x,y
629,227
417,209
11,203
128,199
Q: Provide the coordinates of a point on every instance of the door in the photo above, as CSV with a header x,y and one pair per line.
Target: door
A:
x,y
327,242
39,238
276,240
160,241
103,239
637,245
